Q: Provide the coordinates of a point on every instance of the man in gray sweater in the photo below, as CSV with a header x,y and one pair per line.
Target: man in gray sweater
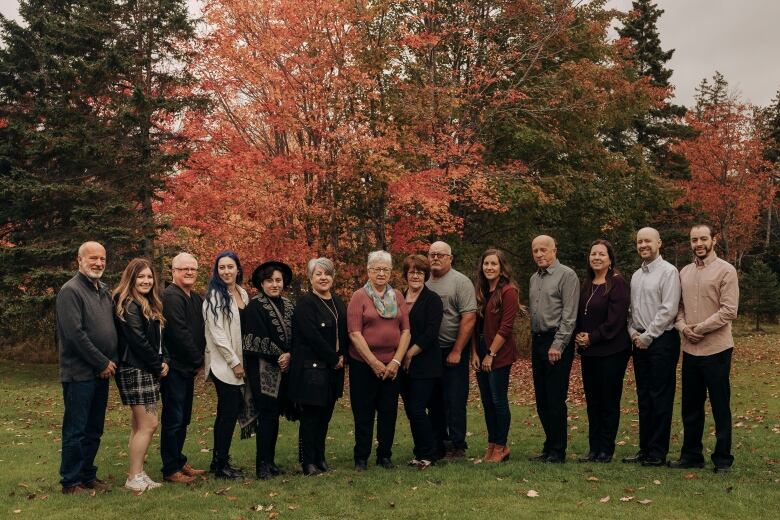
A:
x,y
87,342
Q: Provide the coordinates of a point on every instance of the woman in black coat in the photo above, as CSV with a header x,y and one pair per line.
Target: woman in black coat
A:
x,y
266,333
317,373
422,361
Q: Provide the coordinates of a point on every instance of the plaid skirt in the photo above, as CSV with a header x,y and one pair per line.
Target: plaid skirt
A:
x,y
137,386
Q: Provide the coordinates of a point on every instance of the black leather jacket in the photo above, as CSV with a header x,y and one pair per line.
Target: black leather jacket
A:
x,y
140,340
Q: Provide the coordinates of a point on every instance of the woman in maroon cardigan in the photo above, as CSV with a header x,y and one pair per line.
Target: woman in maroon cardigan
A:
x,y
604,346
493,347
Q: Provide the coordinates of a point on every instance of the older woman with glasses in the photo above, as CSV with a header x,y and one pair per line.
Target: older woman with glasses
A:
x,y
378,324
422,362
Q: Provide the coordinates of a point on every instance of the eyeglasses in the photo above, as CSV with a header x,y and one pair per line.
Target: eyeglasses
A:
x,y
416,274
186,269
436,256
383,270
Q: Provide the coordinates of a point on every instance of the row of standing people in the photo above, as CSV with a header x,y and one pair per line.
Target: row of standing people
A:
x,y
267,358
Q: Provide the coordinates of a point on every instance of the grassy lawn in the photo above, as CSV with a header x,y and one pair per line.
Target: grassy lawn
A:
x,y
30,430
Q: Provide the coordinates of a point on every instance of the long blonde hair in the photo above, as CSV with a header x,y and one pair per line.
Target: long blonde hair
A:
x,y
151,304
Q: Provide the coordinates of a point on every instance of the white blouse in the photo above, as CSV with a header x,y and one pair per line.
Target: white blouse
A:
x,y
223,340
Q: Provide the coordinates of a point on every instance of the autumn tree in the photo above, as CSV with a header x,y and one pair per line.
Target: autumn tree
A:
x,y
729,183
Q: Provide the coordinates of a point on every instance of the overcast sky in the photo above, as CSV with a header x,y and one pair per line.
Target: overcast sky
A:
x,y
739,38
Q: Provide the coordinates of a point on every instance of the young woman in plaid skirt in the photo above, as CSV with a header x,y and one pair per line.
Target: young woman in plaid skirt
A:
x,y
143,361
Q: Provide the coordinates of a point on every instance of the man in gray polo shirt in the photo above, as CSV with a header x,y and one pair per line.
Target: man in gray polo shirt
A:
x,y
554,295
87,343
448,406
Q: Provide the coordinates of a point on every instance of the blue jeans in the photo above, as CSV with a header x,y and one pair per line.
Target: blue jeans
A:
x,y
494,391
448,403
177,391
82,427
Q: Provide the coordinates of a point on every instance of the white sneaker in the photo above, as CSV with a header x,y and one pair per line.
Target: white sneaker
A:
x,y
137,483
150,484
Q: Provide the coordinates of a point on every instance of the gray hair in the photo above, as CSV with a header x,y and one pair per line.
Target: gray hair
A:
x,y
323,263
374,257
182,256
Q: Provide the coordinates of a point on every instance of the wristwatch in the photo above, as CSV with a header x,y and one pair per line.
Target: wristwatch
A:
x,y
491,354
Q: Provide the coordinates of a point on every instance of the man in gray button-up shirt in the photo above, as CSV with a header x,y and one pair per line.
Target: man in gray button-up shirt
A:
x,y
87,343
554,294
655,296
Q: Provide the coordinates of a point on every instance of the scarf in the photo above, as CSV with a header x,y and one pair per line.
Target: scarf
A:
x,y
386,305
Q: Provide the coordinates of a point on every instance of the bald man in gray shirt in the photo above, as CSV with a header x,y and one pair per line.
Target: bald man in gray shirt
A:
x,y
554,295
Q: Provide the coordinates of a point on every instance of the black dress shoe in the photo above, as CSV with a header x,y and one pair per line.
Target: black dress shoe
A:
x,y
685,464
590,457
311,469
653,461
224,472
604,457
237,471
323,466
542,457
361,465
263,471
634,459
554,459
275,470
722,469
385,462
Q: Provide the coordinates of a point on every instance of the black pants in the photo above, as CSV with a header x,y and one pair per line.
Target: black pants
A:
x,y
602,378
417,395
494,392
267,433
372,397
703,375
655,369
551,386
448,404
177,391
82,428
229,400
312,432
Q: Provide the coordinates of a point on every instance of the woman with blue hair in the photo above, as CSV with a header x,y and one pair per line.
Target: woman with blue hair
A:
x,y
225,299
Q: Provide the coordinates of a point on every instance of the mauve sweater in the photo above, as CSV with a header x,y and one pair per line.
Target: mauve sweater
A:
x,y
500,323
381,334
607,318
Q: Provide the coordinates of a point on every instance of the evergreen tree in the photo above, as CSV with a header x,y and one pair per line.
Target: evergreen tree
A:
x,y
85,101
662,126
771,222
760,296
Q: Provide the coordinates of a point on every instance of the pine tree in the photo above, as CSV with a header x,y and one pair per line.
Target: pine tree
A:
x,y
771,123
662,126
85,110
760,296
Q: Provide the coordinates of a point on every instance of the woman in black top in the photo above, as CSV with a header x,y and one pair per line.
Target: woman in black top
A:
x,y
143,360
603,342
266,331
317,373
422,361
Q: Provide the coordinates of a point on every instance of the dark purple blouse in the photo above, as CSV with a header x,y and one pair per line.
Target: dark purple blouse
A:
x,y
605,318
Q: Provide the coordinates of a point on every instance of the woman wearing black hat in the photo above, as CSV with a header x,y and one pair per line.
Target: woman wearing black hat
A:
x,y
267,339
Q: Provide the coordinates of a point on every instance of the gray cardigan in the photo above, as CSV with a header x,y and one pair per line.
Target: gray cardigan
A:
x,y
86,335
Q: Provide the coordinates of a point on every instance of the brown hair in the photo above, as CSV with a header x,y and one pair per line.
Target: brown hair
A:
x,y
482,285
151,304
420,263
613,270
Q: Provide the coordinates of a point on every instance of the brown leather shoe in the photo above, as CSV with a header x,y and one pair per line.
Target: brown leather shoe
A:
x,y
489,452
97,485
78,489
500,454
192,472
180,478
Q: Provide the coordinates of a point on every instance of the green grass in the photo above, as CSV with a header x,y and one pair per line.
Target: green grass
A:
x,y
30,429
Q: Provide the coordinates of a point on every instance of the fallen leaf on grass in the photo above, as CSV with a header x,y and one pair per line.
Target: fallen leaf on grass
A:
x,y
532,494
273,515
657,482
391,504
292,507
629,490
690,476
261,507
17,510
273,494
222,491
232,498
592,479
626,499
604,500
645,501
